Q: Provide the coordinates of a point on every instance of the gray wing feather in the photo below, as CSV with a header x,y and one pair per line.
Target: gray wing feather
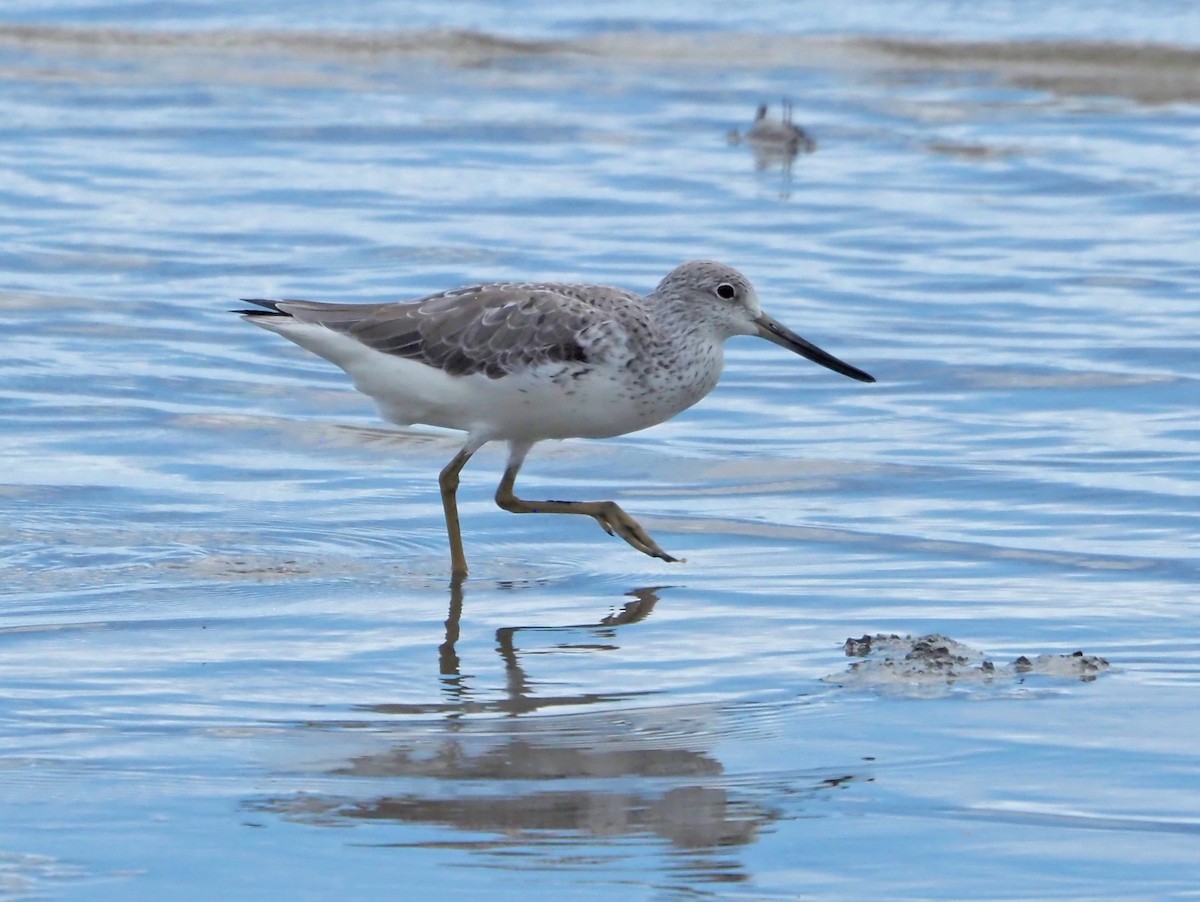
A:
x,y
491,329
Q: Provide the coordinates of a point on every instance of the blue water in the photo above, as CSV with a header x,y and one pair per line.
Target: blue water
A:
x,y
231,661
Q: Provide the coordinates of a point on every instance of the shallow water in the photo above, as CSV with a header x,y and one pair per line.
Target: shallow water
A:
x,y
231,660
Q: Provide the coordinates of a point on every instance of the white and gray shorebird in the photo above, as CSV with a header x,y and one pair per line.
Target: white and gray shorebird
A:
x,y
522,362
776,136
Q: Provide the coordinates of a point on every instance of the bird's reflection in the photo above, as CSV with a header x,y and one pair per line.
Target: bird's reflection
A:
x,y
541,785
595,776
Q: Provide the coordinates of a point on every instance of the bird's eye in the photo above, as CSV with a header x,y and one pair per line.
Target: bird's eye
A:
x,y
726,292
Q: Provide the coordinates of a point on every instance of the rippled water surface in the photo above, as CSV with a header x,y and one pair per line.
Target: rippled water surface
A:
x,y
231,661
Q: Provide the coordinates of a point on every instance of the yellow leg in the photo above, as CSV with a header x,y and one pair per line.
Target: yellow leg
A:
x,y
612,519
448,481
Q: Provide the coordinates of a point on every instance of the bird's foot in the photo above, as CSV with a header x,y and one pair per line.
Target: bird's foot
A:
x,y
614,521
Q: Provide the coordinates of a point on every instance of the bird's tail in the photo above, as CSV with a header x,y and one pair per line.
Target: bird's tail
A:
x,y
271,308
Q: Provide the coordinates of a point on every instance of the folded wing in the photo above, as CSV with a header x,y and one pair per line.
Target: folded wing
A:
x,y
495,330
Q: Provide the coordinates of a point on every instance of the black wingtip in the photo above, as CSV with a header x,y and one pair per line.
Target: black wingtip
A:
x,y
271,308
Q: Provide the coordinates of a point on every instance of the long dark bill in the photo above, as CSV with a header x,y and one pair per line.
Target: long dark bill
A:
x,y
776,332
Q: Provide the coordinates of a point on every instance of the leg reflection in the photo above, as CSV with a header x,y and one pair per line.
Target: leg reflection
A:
x,y
519,696
517,684
448,661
